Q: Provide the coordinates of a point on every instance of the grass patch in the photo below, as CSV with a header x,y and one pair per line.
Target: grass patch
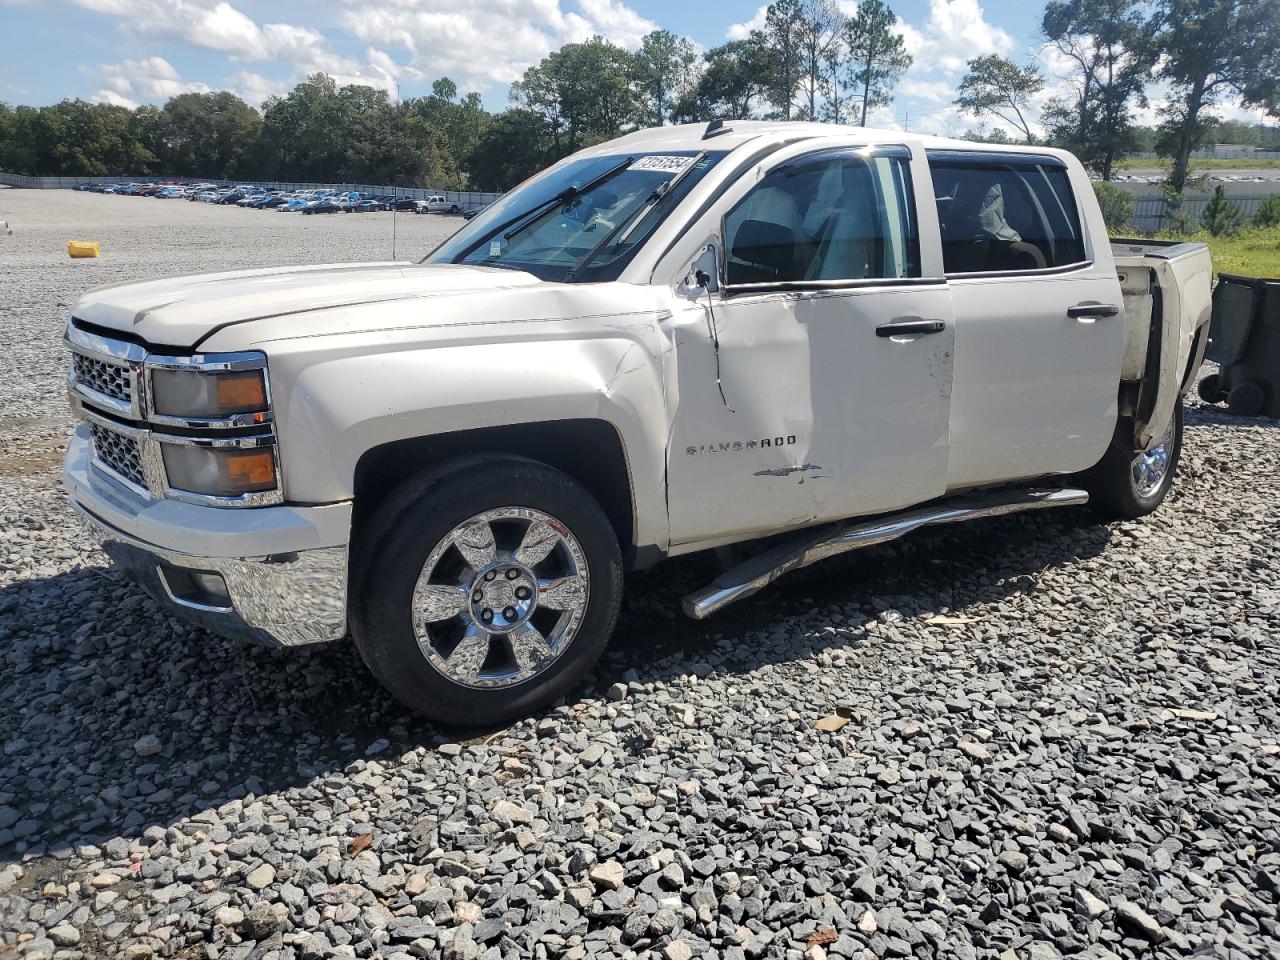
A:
x,y
1254,252
1243,163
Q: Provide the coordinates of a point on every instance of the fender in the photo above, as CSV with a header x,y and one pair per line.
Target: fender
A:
x,y
338,394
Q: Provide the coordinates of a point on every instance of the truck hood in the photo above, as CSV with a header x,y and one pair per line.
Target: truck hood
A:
x,y
183,311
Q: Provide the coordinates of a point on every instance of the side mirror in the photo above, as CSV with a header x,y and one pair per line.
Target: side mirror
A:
x,y
703,275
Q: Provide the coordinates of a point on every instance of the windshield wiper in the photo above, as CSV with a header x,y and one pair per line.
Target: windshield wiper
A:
x,y
629,224
520,220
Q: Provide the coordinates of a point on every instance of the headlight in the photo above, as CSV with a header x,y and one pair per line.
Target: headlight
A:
x,y
185,393
219,471
229,388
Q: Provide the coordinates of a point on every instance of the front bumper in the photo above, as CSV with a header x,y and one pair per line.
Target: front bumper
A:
x,y
283,570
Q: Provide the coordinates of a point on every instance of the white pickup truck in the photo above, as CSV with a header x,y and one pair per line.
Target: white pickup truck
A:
x,y
682,339
436,204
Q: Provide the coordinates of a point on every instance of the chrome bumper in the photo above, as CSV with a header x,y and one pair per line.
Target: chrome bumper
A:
x,y
288,596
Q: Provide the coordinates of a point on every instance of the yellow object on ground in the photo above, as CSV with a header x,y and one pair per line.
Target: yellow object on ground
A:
x,y
82,248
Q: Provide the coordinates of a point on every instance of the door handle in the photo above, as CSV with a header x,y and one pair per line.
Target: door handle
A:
x,y
1091,311
910,326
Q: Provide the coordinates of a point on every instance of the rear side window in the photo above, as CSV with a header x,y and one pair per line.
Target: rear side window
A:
x,y
834,215
1003,213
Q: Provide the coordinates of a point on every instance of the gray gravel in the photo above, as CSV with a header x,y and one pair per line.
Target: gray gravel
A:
x,y
1058,738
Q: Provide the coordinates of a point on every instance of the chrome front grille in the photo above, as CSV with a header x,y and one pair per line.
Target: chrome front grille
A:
x,y
110,379
109,383
119,454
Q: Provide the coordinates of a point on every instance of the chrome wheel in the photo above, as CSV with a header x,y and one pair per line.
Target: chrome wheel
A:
x,y
500,597
1152,466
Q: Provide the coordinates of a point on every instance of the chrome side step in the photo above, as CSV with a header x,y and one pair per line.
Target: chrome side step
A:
x,y
827,541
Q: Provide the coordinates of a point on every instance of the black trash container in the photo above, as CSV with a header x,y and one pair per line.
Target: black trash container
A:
x,y
1244,340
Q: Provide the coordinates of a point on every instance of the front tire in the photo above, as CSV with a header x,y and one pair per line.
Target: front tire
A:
x,y
485,589
1127,485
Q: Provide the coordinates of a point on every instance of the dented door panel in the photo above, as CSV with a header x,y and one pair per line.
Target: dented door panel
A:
x,y
821,417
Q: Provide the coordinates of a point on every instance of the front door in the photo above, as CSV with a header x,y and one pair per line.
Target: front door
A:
x,y
828,393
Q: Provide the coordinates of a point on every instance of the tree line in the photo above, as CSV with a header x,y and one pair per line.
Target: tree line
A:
x,y
1202,51
807,61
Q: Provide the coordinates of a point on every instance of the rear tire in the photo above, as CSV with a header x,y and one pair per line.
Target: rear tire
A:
x,y
431,555
1125,486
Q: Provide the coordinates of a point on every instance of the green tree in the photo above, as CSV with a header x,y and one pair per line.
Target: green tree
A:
x,y
1174,218
996,86
1268,212
512,148
1108,41
781,40
440,134
205,134
75,138
1210,49
583,91
1220,215
877,56
821,25
663,69
983,135
733,79
444,89
1118,205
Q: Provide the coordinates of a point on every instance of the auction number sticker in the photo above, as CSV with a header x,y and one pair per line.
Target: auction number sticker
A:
x,y
661,164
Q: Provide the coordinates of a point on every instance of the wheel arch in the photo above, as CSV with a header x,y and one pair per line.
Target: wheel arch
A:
x,y
590,451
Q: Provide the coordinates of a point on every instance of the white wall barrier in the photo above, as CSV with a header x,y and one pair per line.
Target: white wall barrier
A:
x,y
465,199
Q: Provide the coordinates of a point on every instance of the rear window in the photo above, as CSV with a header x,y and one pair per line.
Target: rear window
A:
x,y
1002,213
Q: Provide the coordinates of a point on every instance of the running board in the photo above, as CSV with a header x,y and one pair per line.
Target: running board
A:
x,y
813,545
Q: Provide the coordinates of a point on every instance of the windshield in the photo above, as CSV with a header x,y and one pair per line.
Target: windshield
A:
x,y
598,209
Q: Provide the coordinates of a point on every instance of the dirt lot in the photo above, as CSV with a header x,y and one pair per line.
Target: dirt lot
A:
x,y
1063,738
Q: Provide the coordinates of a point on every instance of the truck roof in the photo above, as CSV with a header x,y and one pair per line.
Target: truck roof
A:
x,y
734,133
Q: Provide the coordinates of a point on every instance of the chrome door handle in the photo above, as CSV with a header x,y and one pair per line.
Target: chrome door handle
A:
x,y
1091,311
909,326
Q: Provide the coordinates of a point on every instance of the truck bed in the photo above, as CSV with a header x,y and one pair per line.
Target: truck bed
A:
x,y
1168,296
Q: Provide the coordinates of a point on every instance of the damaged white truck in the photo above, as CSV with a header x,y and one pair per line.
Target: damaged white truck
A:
x,y
795,338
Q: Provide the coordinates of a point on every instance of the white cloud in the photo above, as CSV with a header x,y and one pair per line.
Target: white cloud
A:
x,y
955,32
740,31
151,79
111,98
487,43
219,26
254,88
616,21
933,91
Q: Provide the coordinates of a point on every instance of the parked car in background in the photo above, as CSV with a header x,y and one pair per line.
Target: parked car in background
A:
x,y
390,201
324,205
474,211
358,203
436,204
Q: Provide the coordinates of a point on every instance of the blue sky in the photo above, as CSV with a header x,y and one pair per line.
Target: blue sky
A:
x,y
144,51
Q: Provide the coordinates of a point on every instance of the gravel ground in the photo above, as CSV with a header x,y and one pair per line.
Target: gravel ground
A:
x,y
1029,738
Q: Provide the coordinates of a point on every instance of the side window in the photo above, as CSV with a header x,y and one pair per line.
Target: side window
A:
x,y
1005,213
833,215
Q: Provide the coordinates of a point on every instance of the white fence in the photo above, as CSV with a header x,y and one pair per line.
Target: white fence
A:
x,y
1243,157
465,199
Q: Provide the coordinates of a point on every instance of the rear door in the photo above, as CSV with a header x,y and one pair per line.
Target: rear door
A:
x,y
1039,316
